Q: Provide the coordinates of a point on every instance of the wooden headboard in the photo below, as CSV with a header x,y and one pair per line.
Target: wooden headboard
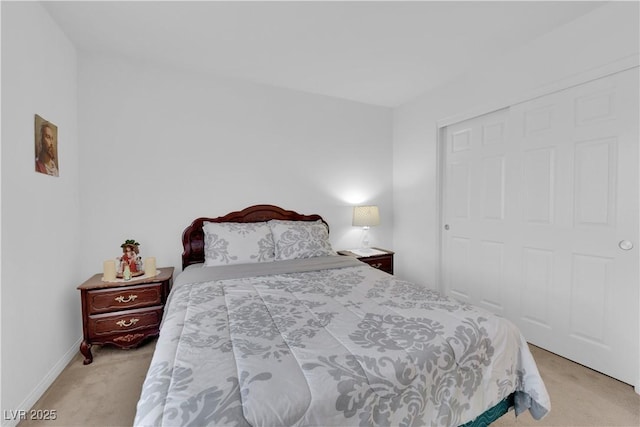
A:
x,y
193,235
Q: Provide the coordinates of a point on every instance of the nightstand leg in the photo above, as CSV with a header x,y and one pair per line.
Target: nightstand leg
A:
x,y
85,349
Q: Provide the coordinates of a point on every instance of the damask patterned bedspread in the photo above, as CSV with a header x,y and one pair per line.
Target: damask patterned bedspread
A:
x,y
330,342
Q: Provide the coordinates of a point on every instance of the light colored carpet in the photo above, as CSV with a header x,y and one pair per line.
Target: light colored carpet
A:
x,y
105,393
579,397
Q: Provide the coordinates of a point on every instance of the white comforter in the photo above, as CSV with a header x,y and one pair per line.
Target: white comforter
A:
x,y
329,342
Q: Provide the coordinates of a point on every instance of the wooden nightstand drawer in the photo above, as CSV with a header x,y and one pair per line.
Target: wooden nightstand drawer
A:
x,y
124,321
382,261
126,298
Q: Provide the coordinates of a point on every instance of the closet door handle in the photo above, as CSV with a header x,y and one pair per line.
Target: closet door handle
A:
x,y
625,245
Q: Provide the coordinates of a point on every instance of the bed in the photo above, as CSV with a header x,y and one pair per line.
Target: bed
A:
x,y
267,326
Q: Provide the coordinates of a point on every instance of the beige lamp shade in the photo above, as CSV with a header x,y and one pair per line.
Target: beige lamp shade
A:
x,y
365,216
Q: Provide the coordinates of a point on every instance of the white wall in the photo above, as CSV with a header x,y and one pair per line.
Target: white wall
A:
x,y
40,252
607,35
160,148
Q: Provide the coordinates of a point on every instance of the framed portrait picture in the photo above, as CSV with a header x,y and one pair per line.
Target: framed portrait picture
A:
x,y
46,144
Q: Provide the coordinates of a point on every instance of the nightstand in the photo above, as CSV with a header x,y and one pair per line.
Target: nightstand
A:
x,y
382,262
122,313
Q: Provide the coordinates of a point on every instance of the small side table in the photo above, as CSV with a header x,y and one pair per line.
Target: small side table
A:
x,y
122,313
382,262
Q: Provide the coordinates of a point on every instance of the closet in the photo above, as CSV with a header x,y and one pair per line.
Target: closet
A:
x,y
540,219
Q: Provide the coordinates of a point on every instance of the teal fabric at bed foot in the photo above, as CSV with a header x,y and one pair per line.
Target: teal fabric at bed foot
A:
x,y
492,414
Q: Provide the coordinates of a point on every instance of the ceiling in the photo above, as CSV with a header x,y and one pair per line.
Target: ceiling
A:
x,y
376,52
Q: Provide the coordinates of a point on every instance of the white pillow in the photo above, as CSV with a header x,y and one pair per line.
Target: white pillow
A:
x,y
228,243
300,239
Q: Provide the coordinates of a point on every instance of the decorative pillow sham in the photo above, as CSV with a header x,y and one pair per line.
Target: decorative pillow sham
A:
x,y
228,243
300,239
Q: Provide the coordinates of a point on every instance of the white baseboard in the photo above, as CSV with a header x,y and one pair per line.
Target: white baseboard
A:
x,y
11,419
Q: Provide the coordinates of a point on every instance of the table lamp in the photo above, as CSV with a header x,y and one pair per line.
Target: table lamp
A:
x,y
365,217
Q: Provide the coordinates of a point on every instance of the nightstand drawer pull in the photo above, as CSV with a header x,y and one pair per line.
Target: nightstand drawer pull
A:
x,y
122,299
125,324
376,265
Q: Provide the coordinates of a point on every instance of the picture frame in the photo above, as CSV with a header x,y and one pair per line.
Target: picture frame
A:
x,y
46,147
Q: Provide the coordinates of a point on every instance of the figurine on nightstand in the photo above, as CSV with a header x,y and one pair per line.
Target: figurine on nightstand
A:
x,y
130,263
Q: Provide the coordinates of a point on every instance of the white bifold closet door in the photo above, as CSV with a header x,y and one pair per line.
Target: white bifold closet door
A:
x,y
540,220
